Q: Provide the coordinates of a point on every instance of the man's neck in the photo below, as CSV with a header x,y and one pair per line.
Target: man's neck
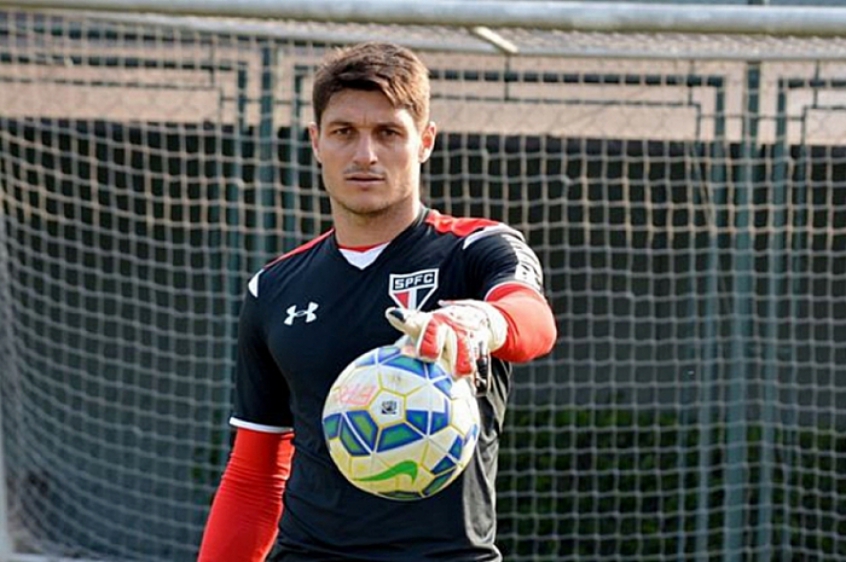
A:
x,y
354,230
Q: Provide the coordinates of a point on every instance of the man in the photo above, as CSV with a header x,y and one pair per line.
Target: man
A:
x,y
461,289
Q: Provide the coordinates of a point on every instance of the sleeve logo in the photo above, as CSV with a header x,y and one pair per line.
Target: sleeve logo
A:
x,y
412,290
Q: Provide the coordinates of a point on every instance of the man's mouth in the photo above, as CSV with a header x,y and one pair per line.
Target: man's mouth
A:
x,y
364,178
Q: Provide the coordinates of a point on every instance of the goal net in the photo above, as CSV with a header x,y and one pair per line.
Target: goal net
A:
x,y
685,193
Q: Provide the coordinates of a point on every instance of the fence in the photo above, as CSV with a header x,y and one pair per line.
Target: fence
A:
x,y
684,188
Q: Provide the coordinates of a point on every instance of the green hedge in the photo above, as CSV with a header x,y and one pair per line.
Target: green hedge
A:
x,y
619,484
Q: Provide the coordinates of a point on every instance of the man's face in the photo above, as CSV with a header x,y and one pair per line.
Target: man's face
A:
x,y
370,152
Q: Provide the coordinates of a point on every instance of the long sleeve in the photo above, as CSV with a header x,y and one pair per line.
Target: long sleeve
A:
x,y
244,518
531,324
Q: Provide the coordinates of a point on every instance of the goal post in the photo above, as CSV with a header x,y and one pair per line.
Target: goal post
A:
x,y
7,366
6,545
680,170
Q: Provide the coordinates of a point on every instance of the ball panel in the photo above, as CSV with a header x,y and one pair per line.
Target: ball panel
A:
x,y
445,386
350,441
446,463
436,371
418,419
440,482
464,415
385,353
356,388
408,364
457,447
364,427
400,383
398,435
366,360
342,459
332,425
440,420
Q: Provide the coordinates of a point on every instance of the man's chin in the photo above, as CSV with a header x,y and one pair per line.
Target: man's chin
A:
x,y
366,207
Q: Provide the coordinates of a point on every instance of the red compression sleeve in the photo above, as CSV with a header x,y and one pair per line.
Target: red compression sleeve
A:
x,y
531,324
244,517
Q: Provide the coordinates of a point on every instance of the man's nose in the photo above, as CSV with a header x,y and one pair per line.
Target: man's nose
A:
x,y
365,150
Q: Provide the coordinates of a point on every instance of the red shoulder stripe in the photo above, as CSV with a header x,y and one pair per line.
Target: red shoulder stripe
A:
x,y
300,249
455,225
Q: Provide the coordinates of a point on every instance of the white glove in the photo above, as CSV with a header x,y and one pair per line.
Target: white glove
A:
x,y
461,334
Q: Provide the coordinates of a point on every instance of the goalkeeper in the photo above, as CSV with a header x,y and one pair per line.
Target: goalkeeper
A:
x,y
467,291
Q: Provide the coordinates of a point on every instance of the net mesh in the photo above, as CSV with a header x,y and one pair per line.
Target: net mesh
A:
x,y
690,213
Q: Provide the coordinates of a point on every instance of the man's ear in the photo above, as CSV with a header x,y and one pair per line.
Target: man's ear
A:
x,y
314,136
427,141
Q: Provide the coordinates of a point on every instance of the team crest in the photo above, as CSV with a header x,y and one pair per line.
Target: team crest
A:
x,y
412,290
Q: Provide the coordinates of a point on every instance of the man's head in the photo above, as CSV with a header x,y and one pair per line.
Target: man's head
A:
x,y
393,70
371,134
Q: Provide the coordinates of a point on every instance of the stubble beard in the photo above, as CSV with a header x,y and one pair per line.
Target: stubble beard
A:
x,y
368,212
375,207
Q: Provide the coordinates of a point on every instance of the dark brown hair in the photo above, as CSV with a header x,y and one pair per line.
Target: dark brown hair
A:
x,y
391,69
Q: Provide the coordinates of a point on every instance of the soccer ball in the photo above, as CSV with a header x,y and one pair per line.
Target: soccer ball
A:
x,y
399,427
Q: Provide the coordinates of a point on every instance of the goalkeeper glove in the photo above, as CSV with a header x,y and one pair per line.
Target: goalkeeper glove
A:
x,y
461,334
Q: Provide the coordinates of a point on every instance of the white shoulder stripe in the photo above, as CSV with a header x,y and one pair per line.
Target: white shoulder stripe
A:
x,y
233,421
490,231
253,285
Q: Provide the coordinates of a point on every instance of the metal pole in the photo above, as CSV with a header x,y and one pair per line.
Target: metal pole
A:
x,y
232,226
612,17
6,547
775,285
266,151
8,371
743,296
292,183
762,538
711,352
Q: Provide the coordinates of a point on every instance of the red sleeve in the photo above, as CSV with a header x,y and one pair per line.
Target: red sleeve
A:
x,y
244,517
531,323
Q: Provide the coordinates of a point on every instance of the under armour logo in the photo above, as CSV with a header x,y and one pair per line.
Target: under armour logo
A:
x,y
308,313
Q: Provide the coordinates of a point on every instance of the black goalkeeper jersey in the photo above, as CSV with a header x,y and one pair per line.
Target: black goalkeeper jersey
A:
x,y
305,316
